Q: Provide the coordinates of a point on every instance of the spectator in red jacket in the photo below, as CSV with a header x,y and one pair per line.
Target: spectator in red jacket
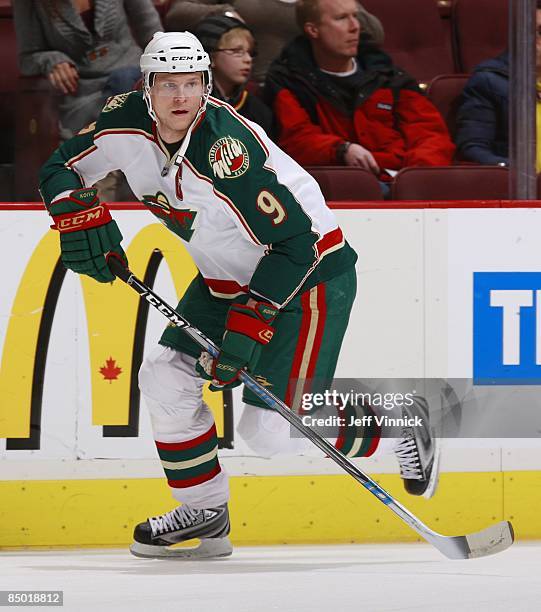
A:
x,y
339,100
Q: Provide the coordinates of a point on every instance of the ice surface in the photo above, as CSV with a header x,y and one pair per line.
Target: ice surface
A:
x,y
378,578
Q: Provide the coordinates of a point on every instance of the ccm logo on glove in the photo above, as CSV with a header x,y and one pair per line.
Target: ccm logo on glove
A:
x,y
247,330
87,234
71,222
266,335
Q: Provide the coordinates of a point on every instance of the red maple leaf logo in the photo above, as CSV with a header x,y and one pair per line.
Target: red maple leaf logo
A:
x,y
110,371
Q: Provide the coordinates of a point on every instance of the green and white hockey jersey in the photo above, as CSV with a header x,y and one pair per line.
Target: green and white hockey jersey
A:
x,y
252,219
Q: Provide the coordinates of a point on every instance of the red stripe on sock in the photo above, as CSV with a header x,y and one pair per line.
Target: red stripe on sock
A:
x,y
374,443
173,446
196,480
339,444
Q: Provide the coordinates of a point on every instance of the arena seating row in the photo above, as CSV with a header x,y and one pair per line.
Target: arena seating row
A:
x,y
469,182
8,86
445,91
36,127
425,44
429,45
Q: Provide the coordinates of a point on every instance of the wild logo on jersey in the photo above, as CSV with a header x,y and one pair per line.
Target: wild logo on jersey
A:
x,y
228,158
89,128
115,102
179,221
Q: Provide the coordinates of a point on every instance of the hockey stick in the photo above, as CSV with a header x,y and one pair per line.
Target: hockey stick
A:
x,y
489,541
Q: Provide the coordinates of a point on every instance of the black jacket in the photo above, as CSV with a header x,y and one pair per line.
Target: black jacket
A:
x,y
482,122
252,107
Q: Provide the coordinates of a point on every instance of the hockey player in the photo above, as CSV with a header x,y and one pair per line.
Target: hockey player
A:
x,y
275,286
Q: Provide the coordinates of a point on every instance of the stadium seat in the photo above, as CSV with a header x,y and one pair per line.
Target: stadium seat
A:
x,y
444,92
5,8
8,91
415,36
346,183
451,183
10,70
28,119
479,31
444,8
37,133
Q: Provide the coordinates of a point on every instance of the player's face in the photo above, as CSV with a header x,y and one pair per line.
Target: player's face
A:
x,y
338,29
232,63
176,98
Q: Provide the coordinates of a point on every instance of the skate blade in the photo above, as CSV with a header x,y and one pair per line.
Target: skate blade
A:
x,y
435,474
210,548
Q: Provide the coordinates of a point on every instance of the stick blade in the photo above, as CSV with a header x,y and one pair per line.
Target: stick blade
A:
x,y
489,541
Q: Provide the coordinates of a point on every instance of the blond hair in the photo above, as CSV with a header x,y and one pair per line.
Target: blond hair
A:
x,y
231,36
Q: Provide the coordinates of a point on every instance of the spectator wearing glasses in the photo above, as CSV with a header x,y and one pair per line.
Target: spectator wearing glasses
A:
x,y
231,47
272,22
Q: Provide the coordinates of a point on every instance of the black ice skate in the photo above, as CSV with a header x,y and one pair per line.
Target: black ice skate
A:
x,y
418,452
154,537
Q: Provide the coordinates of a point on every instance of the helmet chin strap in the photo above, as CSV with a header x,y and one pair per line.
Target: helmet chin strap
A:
x,y
186,140
185,143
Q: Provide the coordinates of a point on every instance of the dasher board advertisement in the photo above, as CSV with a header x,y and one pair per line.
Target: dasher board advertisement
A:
x,y
437,298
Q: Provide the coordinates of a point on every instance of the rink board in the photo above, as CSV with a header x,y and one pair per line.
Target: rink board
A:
x,y
413,317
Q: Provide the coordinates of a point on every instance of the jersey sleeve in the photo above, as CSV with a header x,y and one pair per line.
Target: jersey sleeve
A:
x,y
81,161
76,163
275,212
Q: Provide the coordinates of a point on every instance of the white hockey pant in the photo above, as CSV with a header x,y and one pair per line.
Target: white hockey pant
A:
x,y
182,423
173,394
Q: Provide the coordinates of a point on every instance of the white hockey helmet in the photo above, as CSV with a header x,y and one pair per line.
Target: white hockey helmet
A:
x,y
174,52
